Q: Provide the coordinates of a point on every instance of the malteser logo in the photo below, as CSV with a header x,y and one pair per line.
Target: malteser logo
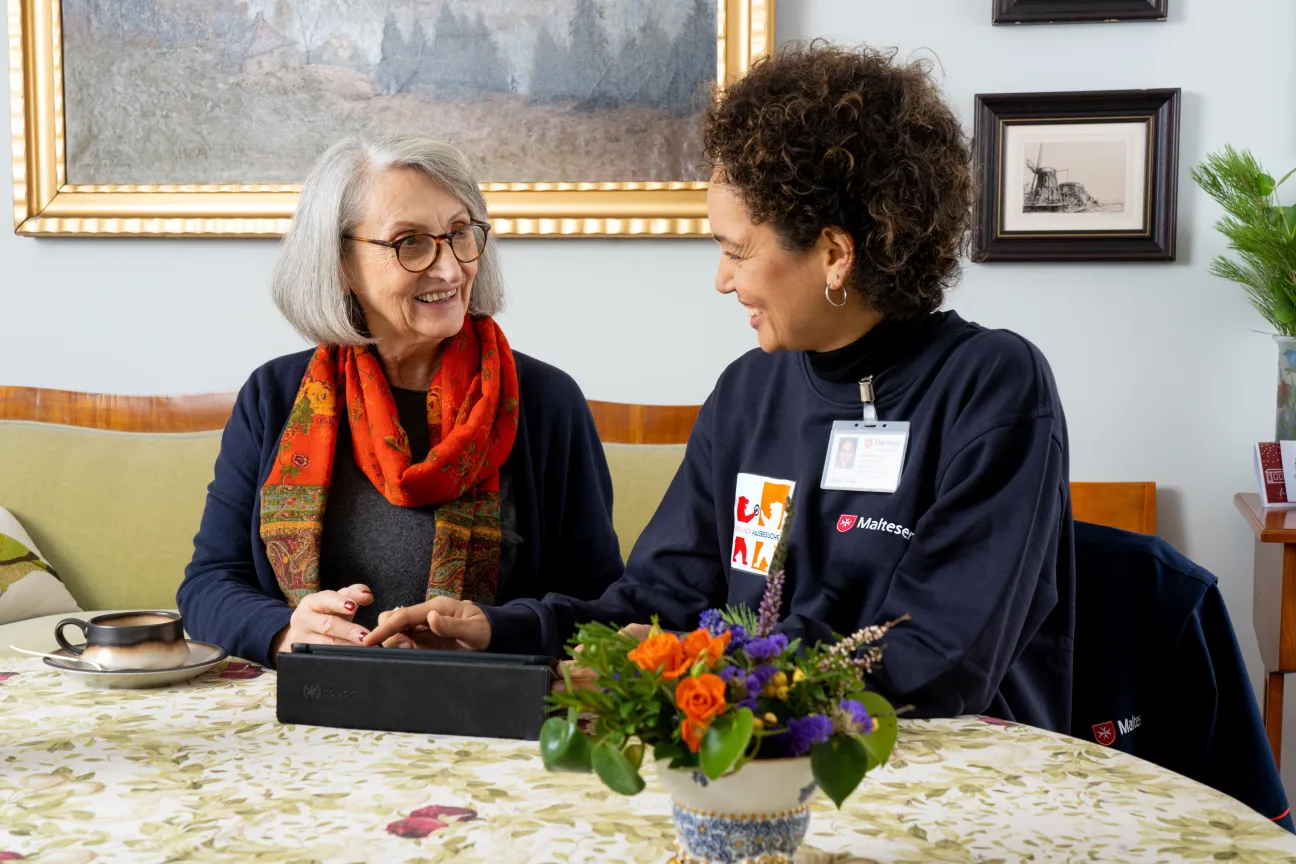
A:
x,y
1105,733
846,523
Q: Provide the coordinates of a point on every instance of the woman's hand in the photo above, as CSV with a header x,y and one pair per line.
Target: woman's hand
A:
x,y
583,678
442,623
324,618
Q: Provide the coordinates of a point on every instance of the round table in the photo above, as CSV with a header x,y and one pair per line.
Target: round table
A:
x,y
204,773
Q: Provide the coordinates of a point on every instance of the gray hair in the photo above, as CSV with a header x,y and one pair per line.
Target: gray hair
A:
x,y
309,281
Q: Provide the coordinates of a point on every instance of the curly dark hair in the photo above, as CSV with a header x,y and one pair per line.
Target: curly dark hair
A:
x,y
819,136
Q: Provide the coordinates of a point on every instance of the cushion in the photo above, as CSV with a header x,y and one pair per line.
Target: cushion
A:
x,y
640,475
115,513
29,587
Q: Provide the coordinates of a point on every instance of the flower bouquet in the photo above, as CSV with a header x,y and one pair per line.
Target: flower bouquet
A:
x,y
732,696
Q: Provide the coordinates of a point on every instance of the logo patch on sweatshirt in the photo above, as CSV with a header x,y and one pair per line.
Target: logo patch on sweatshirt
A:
x,y
846,523
760,508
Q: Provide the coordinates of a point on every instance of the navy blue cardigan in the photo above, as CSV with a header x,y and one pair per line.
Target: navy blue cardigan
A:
x,y
560,478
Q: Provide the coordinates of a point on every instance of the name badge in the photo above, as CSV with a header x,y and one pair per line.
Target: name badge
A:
x,y
865,457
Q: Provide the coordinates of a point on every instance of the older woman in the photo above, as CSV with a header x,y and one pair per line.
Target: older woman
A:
x,y
840,201
411,454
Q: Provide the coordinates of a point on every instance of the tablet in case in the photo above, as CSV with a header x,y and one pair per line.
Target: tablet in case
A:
x,y
403,690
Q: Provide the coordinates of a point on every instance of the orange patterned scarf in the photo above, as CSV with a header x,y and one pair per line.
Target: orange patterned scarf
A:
x,y
472,421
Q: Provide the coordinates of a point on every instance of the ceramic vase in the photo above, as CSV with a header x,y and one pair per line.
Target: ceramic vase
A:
x,y
756,816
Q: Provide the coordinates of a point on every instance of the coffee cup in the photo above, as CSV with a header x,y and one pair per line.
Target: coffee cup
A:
x,y
129,640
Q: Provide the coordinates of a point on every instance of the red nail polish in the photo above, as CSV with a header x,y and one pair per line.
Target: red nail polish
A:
x,y
350,607
364,633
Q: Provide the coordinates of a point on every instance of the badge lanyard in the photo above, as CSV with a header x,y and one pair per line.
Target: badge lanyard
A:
x,y
865,455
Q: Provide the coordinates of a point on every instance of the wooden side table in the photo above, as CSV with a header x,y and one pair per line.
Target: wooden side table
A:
x,y
1274,604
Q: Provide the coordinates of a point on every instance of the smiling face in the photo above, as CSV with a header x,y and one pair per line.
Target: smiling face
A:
x,y
405,311
782,291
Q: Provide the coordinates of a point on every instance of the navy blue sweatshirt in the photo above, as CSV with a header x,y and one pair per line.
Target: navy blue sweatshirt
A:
x,y
561,486
975,544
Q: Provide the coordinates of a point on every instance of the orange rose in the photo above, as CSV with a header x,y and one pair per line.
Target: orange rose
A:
x,y
701,698
661,653
701,642
691,734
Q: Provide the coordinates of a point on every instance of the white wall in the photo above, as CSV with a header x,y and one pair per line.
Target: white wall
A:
x,y
1161,370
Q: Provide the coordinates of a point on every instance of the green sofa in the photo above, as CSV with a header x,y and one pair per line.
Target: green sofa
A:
x,y
115,512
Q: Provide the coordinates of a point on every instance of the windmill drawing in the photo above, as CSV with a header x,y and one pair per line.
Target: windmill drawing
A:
x,y
1044,194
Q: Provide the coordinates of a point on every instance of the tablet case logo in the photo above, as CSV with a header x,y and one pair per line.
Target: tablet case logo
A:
x,y
314,691
1105,733
845,523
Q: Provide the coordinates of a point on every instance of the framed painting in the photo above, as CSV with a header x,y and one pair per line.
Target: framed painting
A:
x,y
1076,11
1083,176
200,117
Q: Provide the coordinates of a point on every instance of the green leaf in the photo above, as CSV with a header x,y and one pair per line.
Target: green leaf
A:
x,y
563,747
725,741
1285,178
1283,310
667,749
1265,185
839,764
881,741
1289,220
612,767
633,751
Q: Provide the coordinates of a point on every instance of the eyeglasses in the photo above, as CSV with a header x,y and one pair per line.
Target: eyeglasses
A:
x,y
418,252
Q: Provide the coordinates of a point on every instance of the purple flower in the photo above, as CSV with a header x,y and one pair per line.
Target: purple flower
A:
x,y
806,732
770,604
766,647
763,673
737,638
712,622
749,703
727,673
753,685
856,716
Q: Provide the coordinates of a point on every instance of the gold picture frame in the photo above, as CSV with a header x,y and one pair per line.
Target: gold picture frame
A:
x,y
46,205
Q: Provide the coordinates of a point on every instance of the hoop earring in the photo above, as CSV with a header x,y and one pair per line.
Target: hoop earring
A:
x,y
828,296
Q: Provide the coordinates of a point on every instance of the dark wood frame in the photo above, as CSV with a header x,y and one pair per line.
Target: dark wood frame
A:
x,y
994,111
1075,11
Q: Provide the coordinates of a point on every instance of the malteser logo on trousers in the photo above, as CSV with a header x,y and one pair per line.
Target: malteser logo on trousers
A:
x,y
847,522
1105,733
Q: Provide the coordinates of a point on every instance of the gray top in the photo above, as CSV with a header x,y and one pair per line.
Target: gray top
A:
x,y
369,540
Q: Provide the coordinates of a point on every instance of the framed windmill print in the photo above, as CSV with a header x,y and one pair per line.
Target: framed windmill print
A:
x,y
1085,176
180,117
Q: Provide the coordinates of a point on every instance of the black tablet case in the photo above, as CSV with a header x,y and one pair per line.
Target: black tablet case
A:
x,y
399,690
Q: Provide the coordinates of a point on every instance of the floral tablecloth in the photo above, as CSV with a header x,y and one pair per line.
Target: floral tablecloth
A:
x,y
203,773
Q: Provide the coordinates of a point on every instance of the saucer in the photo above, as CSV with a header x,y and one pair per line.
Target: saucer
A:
x,y
202,656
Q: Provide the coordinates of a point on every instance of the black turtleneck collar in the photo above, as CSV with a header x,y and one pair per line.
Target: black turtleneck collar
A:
x,y
890,340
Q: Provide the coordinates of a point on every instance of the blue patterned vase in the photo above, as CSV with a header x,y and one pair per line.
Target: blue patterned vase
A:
x,y
1286,426
757,816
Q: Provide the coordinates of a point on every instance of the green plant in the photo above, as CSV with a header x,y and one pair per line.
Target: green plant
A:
x,y
1259,229
731,691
